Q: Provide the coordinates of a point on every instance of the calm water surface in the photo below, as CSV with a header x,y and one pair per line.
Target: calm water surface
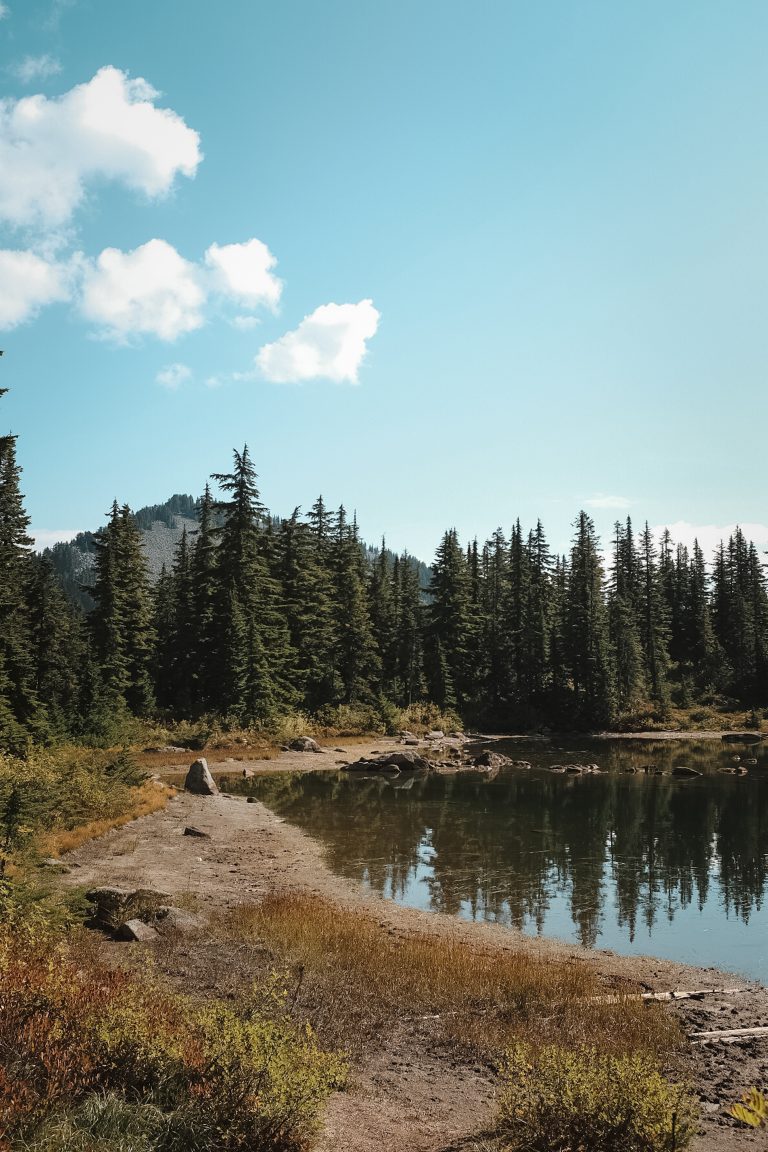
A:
x,y
636,863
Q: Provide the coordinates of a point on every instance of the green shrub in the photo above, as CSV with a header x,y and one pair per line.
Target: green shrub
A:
x,y
72,1028
561,1100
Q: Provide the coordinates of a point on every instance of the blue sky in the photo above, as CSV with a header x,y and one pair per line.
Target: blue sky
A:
x,y
446,263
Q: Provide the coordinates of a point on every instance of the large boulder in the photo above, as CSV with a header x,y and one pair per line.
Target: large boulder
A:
x,y
115,906
304,744
199,779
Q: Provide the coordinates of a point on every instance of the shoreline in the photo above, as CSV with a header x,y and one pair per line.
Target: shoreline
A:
x,y
252,851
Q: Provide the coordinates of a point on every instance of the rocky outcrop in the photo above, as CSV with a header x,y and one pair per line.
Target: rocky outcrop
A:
x,y
116,906
199,780
390,762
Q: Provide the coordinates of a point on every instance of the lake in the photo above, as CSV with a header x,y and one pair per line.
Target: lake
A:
x,y
641,863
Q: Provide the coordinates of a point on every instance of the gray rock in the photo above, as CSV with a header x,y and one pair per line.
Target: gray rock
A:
x,y
114,906
177,920
684,771
192,831
250,799
199,779
304,744
390,762
136,930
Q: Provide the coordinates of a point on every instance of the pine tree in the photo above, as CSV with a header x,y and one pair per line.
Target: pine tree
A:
x,y
57,643
448,626
357,658
20,710
253,654
623,615
587,641
654,624
121,621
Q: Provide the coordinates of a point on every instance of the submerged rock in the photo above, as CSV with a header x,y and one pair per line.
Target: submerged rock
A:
x,y
199,780
685,772
390,762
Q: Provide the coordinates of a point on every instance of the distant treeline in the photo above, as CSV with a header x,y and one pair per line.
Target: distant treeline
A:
x,y
258,616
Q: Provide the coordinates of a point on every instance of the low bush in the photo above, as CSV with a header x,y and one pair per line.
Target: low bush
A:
x,y
72,1029
584,1100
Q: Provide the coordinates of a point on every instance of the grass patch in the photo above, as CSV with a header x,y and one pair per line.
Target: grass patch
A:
x,y
148,798
354,976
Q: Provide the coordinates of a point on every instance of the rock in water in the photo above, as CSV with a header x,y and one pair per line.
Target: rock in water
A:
x,y
199,779
684,771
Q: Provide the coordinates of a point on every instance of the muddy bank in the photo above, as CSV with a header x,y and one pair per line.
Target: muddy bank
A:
x,y
409,1094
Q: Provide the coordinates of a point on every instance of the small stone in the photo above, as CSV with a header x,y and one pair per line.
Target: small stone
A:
x,y
191,831
136,930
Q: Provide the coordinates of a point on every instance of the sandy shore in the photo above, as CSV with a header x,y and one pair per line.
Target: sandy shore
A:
x,y
406,1099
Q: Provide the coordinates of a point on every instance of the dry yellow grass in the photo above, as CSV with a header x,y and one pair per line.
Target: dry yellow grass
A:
x,y
355,975
150,797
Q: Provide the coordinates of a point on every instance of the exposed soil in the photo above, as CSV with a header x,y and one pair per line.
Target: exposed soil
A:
x,y
410,1093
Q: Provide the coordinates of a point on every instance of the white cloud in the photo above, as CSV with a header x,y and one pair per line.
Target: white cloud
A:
x,y
4,11
601,501
245,323
243,272
107,128
329,343
47,537
214,382
37,68
27,283
149,291
710,535
173,376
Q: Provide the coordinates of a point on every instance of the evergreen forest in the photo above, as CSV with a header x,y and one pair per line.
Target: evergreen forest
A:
x,y
260,616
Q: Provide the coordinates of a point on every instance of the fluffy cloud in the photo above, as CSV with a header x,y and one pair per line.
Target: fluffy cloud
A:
x,y
329,343
150,291
47,537
243,272
608,502
27,283
37,68
108,128
4,11
173,376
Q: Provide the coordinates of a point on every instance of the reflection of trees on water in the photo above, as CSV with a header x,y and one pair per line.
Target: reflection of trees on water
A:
x,y
502,849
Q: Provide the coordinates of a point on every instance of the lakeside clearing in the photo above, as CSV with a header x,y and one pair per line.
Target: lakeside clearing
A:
x,y
410,1089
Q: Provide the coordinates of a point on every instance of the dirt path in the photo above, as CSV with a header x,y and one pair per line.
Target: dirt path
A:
x,y
411,1095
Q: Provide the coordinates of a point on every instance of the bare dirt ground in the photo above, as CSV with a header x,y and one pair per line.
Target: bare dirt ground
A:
x,y
412,1094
